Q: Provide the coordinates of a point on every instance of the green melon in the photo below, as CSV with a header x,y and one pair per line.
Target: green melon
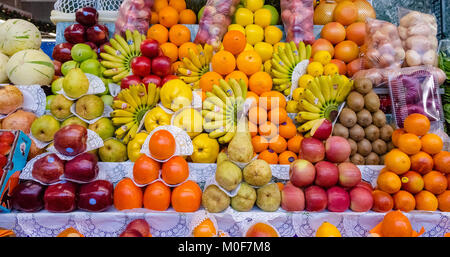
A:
x,y
30,67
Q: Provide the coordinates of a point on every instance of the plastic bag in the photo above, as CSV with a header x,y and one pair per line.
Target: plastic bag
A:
x,y
418,34
383,45
215,21
133,15
297,17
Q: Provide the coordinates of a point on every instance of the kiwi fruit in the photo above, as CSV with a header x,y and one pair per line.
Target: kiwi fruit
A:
x,y
340,130
347,117
372,132
389,146
355,101
386,133
372,102
379,118
364,118
379,147
363,85
372,159
353,146
357,159
357,133
364,147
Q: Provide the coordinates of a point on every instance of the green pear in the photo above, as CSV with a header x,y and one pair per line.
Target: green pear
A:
x,y
245,198
113,151
75,83
268,197
60,107
89,107
44,128
215,200
228,175
74,120
240,148
257,173
103,127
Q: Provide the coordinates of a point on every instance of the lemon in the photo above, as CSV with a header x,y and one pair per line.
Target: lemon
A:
x,y
272,34
248,47
296,93
254,34
292,106
315,69
243,17
275,47
254,5
262,17
236,27
265,50
327,230
322,56
330,69
305,80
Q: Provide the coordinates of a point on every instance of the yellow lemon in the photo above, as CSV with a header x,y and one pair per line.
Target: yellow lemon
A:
x,y
254,5
272,34
305,80
296,93
275,47
322,56
327,230
292,106
236,27
265,50
243,17
315,69
263,17
330,69
248,47
254,34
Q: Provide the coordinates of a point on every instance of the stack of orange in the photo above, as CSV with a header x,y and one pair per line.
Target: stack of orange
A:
x,y
417,171
171,12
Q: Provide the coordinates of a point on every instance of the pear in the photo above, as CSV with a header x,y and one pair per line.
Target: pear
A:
x,y
75,83
214,199
228,175
257,173
245,198
240,148
89,107
268,197
60,107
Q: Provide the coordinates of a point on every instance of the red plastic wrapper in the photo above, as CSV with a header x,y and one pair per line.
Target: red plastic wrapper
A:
x,y
215,21
297,17
133,15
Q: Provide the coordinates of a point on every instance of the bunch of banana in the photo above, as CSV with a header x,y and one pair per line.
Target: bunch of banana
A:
x,y
321,99
117,57
283,63
222,108
195,65
130,108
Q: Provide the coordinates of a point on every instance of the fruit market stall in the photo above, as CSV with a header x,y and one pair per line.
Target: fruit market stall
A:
x,y
225,118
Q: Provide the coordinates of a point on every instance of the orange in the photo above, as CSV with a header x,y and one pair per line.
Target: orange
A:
x,y
396,224
154,18
426,201
260,82
259,144
412,182
444,201
354,66
168,16
254,97
159,4
422,163
278,144
249,62
223,62
294,143
179,5
188,16
186,197
442,162
431,143
257,115
341,66
269,156
170,50
346,51
175,170
345,13
287,157
397,161
448,181
287,130
333,32
234,41
409,143
322,44
157,196
417,124
253,129
396,135
272,99
261,230
162,144
208,80
268,129
175,66
159,33
382,201
237,75
356,32
277,115
127,195
404,201
179,34
205,229
435,182
183,49
389,182
145,170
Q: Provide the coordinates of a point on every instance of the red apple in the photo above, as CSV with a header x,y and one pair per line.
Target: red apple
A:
x,y
28,196
141,66
292,198
95,196
71,140
150,48
337,149
349,174
61,52
3,161
57,66
322,130
366,185
130,80
168,78
60,197
312,149
361,199
7,137
161,66
338,199
97,34
92,45
5,148
316,198
130,233
82,168
87,16
301,173
48,169
75,33
152,79
327,174
139,225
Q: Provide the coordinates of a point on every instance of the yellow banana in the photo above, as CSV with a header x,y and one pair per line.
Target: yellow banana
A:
x,y
201,55
157,95
213,125
189,79
278,81
124,128
123,43
279,66
187,72
315,89
295,52
120,76
137,41
290,56
310,97
142,92
282,54
125,96
219,93
226,88
113,71
109,64
121,113
118,46
282,63
131,133
307,126
244,88
130,40
308,51
280,75
119,104
227,137
194,58
113,52
121,120
134,94
302,50
110,57
217,133
208,49
308,106
189,65
151,88
236,87
309,115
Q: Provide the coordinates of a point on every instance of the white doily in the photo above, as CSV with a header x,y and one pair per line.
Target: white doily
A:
x,y
199,217
299,70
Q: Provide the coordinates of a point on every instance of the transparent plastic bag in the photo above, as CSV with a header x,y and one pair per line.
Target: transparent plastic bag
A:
x,y
383,45
133,15
297,17
215,21
418,34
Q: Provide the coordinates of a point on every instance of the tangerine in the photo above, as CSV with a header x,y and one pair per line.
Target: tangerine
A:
x,y
422,163
186,197
175,66
159,4
252,129
159,33
269,156
278,144
272,99
259,144
404,201
287,157
389,182
346,51
183,50
162,144
397,161
442,162
277,115
179,34
168,16
205,229
237,75
287,129
268,129
127,195
261,230
435,182
175,170
260,82
254,98
333,32
356,32
188,16
444,201
409,143
154,19
417,124
431,143
294,143
249,62
396,224
179,5
208,80
426,201
223,62
145,170
157,196
234,41
257,115
396,135
170,50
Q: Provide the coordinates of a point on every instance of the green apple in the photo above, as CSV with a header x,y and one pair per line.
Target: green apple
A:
x,y
57,85
91,66
81,52
74,120
69,65
200,13
107,99
49,100
89,107
60,107
253,5
76,83
103,127
275,15
113,151
44,128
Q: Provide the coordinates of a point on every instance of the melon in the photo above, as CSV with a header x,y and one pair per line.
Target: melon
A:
x,y
17,35
3,60
30,67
